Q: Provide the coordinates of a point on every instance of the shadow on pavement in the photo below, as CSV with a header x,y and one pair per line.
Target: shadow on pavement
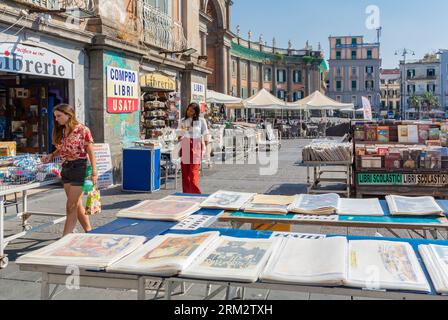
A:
x,y
287,189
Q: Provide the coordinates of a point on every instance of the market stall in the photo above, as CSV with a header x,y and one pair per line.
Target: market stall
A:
x,y
19,175
260,273
400,157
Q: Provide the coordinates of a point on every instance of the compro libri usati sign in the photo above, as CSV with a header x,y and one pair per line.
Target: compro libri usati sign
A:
x,y
20,58
104,165
122,90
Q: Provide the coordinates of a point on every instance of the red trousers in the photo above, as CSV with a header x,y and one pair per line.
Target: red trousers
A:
x,y
191,156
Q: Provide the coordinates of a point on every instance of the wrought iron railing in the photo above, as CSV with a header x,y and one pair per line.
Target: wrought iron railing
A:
x,y
161,30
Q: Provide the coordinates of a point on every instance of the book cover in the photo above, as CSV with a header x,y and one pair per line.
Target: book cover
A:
x,y
371,133
383,134
413,134
434,134
423,133
359,133
393,161
403,135
393,136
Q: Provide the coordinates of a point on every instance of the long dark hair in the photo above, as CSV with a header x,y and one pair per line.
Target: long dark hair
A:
x,y
197,111
58,130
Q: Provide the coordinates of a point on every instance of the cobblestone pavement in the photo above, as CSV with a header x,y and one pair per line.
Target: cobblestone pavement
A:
x,y
290,178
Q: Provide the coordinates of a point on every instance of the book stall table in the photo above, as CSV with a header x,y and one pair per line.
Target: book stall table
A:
x,y
104,280
25,173
171,286
407,158
415,224
321,168
340,291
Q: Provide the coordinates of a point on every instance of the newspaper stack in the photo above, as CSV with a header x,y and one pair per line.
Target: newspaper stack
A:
x,y
327,150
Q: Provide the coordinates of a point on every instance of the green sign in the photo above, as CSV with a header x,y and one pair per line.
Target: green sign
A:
x,y
389,179
400,179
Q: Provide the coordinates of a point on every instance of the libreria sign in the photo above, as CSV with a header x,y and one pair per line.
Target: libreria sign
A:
x,y
122,90
18,58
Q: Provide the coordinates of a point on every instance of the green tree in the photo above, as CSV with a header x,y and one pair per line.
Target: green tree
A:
x,y
415,102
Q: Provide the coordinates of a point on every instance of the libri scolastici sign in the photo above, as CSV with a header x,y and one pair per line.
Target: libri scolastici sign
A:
x,y
34,60
122,90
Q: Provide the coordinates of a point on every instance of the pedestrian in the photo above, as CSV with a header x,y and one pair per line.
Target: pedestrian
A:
x,y
74,144
193,131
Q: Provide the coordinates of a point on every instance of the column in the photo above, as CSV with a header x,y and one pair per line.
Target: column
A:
x,y
249,78
223,69
261,77
289,83
238,77
229,71
274,79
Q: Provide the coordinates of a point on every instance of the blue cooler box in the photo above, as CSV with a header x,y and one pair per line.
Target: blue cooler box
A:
x,y
141,169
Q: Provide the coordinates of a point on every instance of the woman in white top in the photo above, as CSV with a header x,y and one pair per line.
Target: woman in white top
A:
x,y
192,131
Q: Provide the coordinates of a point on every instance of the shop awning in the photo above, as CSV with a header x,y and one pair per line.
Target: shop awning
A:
x,y
217,97
264,100
318,101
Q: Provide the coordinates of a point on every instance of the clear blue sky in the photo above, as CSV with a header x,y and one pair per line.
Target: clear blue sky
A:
x,y
421,26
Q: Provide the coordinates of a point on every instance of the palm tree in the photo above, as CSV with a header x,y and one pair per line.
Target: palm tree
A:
x,y
415,102
430,102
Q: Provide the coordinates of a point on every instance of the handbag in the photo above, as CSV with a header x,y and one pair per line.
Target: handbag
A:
x,y
93,203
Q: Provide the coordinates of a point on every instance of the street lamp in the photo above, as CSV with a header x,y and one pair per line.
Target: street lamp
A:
x,y
404,53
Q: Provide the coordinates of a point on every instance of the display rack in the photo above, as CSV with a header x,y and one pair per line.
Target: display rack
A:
x,y
19,175
154,116
320,171
400,157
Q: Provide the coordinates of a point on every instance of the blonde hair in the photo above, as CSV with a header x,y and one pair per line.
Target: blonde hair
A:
x,y
58,130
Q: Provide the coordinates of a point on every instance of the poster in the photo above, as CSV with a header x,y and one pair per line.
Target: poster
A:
x,y
122,90
198,95
104,165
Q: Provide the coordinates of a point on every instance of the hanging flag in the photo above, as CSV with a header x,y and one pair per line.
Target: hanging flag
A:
x,y
367,109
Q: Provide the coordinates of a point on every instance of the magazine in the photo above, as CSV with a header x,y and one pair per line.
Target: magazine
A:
x,y
360,207
165,255
227,200
162,210
266,208
195,222
413,206
325,204
273,199
385,265
88,251
308,262
436,261
198,199
232,259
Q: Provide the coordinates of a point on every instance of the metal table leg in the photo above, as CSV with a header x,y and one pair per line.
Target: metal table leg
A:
x,y
141,293
3,258
45,287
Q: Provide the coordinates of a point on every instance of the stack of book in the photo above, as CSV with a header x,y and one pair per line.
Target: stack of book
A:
x,y
327,151
161,210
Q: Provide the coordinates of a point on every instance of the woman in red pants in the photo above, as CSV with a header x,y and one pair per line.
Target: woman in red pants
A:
x,y
192,132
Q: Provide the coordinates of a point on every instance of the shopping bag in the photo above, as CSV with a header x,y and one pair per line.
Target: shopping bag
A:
x,y
93,203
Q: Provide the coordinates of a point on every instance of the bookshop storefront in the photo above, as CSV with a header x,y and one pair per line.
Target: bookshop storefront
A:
x,y
34,78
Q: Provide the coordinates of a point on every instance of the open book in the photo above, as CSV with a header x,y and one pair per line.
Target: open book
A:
x,y
308,262
380,265
166,255
366,264
198,199
325,204
88,251
436,261
227,200
360,207
413,206
232,259
162,210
